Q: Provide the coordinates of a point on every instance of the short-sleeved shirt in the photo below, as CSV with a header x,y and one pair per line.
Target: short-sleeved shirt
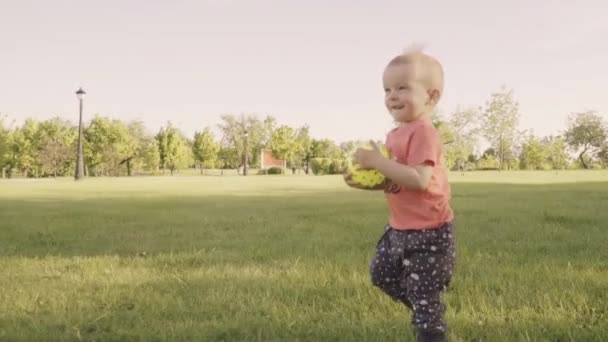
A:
x,y
414,144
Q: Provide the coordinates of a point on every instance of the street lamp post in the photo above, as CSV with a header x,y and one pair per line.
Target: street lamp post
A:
x,y
246,153
79,157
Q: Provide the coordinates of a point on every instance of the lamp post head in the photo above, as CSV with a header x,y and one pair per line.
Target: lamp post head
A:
x,y
80,93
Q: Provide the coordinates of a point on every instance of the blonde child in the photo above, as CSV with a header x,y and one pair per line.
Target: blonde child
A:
x,y
415,257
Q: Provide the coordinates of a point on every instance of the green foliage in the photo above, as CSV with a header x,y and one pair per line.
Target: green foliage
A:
x,y
108,143
205,149
175,151
24,148
499,124
5,143
488,162
113,147
291,145
150,155
586,133
320,166
327,166
555,152
337,166
275,171
304,145
57,140
325,148
228,158
602,155
533,154
460,136
284,144
233,130
144,156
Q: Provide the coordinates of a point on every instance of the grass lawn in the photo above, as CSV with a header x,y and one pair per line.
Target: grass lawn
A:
x,y
285,258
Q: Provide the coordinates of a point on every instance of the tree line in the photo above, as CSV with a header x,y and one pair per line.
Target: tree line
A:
x,y
114,147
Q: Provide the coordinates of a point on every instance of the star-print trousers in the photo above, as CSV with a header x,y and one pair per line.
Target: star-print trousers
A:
x,y
415,267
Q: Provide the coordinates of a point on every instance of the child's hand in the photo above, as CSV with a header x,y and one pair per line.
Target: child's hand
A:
x,y
368,159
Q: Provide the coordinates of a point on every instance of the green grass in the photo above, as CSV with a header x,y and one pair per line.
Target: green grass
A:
x,y
277,258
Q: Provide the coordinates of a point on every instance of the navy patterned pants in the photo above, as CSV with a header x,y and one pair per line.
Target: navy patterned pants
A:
x,y
415,267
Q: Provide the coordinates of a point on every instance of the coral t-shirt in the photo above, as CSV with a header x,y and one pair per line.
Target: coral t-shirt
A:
x,y
414,144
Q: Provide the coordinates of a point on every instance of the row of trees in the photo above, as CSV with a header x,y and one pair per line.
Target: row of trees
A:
x,y
114,147
584,143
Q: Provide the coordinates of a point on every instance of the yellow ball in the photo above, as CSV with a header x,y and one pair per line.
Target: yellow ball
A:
x,y
364,179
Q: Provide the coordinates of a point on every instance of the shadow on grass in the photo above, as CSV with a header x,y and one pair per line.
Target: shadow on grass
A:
x,y
129,226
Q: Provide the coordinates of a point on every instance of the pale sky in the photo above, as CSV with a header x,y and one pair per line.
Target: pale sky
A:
x,y
315,62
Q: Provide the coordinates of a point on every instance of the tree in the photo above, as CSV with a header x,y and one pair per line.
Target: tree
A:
x,y
57,143
555,152
149,154
586,133
269,126
532,154
304,142
174,150
499,124
139,144
107,145
326,157
602,155
205,149
291,145
24,147
442,126
325,148
463,136
5,141
233,130
228,158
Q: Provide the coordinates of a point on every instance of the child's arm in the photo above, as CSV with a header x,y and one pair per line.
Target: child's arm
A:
x,y
412,177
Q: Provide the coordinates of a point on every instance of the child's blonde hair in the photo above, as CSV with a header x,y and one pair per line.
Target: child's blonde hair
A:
x,y
429,70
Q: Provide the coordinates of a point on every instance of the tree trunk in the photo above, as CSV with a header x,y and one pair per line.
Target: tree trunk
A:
x,y
3,172
583,160
502,155
129,167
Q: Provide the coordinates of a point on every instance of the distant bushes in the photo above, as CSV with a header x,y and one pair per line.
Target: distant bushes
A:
x,y
327,166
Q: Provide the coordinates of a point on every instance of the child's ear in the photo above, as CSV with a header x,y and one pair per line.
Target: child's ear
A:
x,y
434,95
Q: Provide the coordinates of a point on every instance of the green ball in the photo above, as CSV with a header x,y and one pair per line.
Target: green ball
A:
x,y
357,178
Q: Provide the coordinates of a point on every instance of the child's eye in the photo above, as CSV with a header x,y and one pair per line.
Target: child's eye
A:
x,y
403,87
386,90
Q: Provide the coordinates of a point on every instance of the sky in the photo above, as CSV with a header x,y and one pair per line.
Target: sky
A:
x,y
314,62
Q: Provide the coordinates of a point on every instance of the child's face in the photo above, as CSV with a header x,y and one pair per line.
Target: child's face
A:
x,y
406,98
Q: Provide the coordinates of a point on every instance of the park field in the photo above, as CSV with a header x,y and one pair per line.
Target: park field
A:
x,y
285,258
